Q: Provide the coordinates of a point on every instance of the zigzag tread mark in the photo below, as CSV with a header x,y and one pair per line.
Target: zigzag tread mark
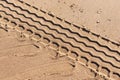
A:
x,y
68,43
66,35
67,29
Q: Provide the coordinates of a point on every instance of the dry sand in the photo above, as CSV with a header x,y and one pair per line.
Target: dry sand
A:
x,y
97,16
59,40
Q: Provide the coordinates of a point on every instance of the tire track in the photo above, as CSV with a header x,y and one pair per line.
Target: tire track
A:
x,y
65,28
71,41
59,38
75,46
66,35
90,68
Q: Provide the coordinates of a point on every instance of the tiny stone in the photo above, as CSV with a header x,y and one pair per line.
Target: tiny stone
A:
x,y
97,21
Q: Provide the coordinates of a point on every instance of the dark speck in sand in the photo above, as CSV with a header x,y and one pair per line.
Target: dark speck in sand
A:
x,y
71,6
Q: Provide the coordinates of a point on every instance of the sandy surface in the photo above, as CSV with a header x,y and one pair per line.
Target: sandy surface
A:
x,y
50,40
22,60
97,16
